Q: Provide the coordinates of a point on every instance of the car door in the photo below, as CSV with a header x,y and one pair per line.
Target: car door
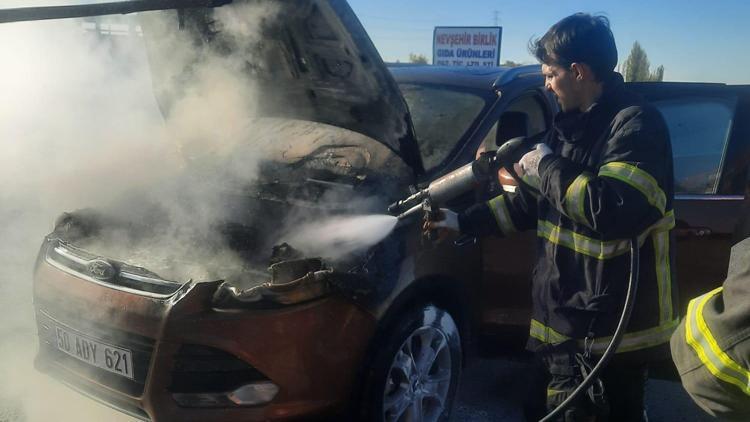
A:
x,y
507,262
711,156
703,125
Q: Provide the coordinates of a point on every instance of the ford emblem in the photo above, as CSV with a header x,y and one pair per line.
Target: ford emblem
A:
x,y
101,270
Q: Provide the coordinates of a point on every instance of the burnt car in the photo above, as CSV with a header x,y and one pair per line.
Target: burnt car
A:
x,y
165,315
272,330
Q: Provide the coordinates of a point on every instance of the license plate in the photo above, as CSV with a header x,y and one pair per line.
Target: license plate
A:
x,y
105,356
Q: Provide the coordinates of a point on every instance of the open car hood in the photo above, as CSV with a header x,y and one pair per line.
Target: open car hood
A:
x,y
313,61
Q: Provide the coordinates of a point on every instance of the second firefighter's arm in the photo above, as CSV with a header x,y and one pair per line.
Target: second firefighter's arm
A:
x,y
711,345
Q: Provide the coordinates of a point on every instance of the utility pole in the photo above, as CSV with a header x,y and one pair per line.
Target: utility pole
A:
x,y
497,18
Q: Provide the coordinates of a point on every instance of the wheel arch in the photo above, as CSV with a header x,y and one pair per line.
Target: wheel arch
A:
x,y
442,291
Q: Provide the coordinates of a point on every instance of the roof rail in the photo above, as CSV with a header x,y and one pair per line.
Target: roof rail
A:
x,y
515,72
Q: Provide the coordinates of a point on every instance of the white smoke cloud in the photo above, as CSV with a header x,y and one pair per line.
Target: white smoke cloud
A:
x,y
66,120
80,127
70,136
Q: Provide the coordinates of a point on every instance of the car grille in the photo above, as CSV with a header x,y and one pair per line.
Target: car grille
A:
x,y
141,348
88,266
202,369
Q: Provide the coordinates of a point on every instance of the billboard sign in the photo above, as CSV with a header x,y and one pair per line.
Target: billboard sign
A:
x,y
467,46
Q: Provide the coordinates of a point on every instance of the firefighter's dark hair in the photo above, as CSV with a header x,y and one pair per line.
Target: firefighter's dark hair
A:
x,y
578,38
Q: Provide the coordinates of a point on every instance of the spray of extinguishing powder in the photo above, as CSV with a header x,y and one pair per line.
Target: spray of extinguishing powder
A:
x,y
341,235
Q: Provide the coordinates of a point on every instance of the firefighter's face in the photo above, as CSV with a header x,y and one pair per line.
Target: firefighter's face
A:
x,y
565,84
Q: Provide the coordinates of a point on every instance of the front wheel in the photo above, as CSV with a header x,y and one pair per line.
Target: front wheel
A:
x,y
417,368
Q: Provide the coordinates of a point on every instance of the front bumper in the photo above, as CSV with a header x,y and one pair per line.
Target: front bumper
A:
x,y
311,351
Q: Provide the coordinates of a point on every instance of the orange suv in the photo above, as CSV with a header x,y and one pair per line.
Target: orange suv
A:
x,y
238,317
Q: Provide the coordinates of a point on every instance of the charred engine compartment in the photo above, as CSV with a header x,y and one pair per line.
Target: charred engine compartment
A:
x,y
277,131
242,238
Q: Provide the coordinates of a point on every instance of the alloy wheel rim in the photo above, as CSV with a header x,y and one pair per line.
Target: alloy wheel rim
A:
x,y
419,378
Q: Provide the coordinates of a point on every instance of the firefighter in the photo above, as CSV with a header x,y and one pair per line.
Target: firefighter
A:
x,y
604,174
711,347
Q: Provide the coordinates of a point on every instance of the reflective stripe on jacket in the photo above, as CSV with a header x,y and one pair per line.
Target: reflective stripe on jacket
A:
x,y
610,178
711,347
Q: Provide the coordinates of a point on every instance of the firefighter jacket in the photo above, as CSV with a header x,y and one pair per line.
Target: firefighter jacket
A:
x,y
609,179
711,347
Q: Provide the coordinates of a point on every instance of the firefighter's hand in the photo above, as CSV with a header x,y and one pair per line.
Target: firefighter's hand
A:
x,y
445,220
530,161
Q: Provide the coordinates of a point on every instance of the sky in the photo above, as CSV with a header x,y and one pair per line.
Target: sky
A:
x,y
695,40
704,41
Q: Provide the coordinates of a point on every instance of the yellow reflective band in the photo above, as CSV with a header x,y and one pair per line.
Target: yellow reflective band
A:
x,y
545,334
663,275
552,392
700,338
631,341
499,209
599,249
639,179
582,244
638,340
575,198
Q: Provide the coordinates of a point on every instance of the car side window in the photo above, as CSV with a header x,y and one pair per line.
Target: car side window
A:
x,y
699,129
536,122
441,115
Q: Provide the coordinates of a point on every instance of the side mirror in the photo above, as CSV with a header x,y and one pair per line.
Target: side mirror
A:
x,y
512,124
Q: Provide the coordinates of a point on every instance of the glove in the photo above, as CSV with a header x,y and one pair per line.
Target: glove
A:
x,y
530,161
448,221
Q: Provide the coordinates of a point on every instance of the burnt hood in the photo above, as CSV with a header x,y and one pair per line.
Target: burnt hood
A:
x,y
334,75
311,59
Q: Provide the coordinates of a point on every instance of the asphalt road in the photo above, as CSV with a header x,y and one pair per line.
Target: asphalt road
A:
x,y
493,390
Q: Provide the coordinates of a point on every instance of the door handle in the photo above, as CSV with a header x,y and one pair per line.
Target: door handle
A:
x,y
464,240
693,232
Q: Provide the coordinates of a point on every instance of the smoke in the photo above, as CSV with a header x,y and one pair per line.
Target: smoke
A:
x,y
161,154
80,127
69,137
67,129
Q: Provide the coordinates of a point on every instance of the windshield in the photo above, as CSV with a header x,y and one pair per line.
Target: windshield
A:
x,y
441,117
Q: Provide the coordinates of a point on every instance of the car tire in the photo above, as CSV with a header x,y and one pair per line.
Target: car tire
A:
x,y
416,368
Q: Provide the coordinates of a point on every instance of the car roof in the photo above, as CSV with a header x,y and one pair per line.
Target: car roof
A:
x,y
489,78
664,90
